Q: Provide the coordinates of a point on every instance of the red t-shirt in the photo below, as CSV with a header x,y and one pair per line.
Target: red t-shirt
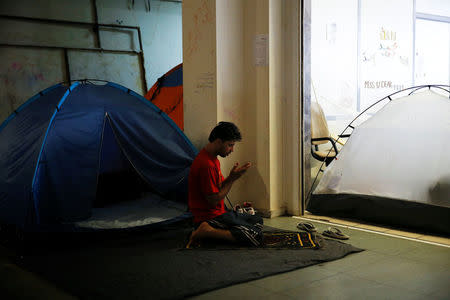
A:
x,y
205,178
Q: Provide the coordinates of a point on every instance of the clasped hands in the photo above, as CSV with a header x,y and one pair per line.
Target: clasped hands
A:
x,y
237,171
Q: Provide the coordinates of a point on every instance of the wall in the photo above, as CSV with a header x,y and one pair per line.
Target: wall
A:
x,y
277,102
161,30
25,71
257,103
199,69
231,82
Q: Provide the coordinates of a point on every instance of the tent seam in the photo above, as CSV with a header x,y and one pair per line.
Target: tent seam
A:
x,y
28,102
157,109
69,90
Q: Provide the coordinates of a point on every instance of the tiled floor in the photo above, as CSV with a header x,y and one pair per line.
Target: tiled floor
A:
x,y
432,239
391,268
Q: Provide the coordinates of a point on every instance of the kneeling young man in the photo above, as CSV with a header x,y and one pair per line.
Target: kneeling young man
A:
x,y
208,188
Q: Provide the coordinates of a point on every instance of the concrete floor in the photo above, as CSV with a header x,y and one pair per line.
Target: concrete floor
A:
x,y
392,267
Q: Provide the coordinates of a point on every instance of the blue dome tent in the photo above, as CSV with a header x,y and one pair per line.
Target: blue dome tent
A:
x,y
56,149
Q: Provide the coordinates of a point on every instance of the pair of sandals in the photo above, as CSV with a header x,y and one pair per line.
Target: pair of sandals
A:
x,y
331,232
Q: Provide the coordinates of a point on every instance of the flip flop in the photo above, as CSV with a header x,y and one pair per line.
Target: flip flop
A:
x,y
334,232
306,226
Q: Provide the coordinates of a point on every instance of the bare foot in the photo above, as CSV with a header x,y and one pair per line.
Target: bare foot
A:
x,y
202,231
191,242
207,231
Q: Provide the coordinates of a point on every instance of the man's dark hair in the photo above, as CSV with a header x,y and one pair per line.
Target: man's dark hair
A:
x,y
226,131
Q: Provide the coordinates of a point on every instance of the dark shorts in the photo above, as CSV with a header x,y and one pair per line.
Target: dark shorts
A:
x,y
245,228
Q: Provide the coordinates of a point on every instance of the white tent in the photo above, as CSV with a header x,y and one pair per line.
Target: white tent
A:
x,y
395,167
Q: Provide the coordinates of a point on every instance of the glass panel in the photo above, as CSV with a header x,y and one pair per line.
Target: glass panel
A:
x,y
433,7
432,52
386,48
334,58
347,77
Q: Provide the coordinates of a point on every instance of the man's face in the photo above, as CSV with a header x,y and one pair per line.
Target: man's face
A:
x,y
226,148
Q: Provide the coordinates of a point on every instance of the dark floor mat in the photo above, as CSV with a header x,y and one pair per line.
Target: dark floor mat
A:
x,y
292,240
156,265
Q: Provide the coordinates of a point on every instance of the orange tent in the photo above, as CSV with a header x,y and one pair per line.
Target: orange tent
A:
x,y
167,94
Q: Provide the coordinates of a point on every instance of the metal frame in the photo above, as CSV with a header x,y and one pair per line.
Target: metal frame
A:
x,y
95,27
305,101
327,159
